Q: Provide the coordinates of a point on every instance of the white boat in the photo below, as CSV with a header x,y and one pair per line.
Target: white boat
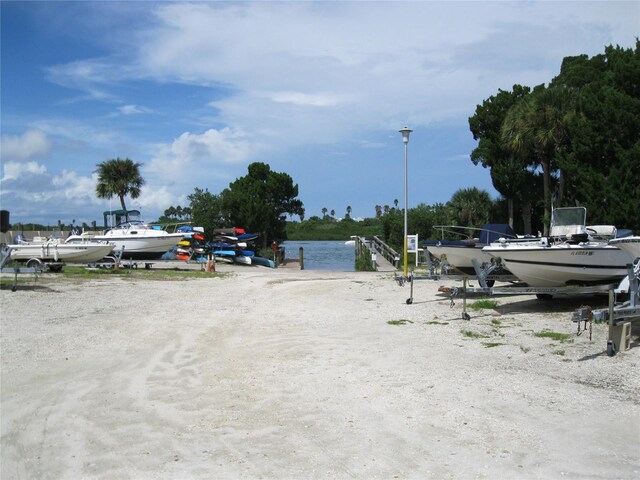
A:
x,y
57,250
573,254
629,244
137,240
460,254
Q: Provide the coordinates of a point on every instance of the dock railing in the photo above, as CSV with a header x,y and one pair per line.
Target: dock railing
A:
x,y
386,251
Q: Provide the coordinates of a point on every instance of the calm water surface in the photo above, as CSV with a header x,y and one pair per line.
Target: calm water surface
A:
x,y
325,255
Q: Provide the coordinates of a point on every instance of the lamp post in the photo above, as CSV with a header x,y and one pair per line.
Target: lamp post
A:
x,y
405,138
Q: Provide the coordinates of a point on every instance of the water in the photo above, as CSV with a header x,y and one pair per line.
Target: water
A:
x,y
323,255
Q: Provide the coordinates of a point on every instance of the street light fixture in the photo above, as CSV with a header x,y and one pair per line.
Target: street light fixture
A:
x,y
405,138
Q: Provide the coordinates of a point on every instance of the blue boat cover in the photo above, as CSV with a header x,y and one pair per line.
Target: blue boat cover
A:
x,y
491,232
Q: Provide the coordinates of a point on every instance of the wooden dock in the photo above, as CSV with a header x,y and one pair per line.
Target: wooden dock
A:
x,y
386,259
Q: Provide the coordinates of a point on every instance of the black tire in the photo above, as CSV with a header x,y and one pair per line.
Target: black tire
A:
x,y
611,351
544,296
35,263
409,301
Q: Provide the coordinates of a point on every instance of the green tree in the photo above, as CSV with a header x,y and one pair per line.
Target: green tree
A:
x,y
260,202
537,128
170,212
602,166
508,171
348,215
206,211
470,207
119,177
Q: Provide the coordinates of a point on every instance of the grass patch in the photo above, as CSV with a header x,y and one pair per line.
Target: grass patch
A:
x,y
435,322
492,344
73,272
558,352
496,322
399,322
471,334
557,336
485,304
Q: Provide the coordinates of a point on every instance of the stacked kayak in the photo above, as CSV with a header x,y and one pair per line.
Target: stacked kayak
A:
x,y
231,245
193,245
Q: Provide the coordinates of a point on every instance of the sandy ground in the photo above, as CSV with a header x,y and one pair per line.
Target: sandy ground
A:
x,y
298,374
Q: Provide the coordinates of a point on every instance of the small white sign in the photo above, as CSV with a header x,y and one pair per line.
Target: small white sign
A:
x,y
412,243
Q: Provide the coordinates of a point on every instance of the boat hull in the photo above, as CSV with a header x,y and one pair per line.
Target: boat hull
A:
x,y
631,245
148,245
561,265
460,256
61,252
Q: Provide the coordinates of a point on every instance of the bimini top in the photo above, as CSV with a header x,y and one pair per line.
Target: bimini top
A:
x,y
120,216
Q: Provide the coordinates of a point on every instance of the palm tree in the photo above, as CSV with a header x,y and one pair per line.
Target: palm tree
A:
x,y
538,125
470,207
348,211
170,212
119,177
324,212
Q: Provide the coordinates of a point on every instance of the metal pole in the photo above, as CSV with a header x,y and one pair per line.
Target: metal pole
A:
x,y
406,206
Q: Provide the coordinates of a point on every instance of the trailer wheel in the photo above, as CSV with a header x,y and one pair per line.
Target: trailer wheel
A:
x,y
611,351
35,263
56,268
108,262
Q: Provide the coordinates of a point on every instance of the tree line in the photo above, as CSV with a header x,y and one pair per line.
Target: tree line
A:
x,y
575,141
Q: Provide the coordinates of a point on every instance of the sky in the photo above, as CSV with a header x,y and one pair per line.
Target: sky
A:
x,y
197,91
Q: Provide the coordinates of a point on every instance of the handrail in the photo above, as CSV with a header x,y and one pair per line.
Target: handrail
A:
x,y
387,252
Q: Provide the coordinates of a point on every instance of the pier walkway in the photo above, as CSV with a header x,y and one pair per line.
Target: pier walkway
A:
x,y
385,257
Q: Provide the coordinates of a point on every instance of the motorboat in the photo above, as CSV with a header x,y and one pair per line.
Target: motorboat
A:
x,y
54,249
134,238
573,253
459,254
630,244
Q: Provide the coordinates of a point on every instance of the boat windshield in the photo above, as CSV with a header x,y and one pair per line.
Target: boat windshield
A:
x,y
567,221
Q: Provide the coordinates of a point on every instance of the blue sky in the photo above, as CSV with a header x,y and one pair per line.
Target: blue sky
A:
x,y
196,91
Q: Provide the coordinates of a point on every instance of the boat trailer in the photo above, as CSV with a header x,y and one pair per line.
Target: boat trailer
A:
x,y
621,316
5,258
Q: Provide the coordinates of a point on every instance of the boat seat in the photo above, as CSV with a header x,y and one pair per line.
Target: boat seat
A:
x,y
602,231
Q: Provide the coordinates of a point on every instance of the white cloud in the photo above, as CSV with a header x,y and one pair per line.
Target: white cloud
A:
x,y
14,170
133,110
31,144
201,151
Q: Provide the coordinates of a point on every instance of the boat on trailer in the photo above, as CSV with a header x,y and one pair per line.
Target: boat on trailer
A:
x,y
460,254
572,254
134,238
54,249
